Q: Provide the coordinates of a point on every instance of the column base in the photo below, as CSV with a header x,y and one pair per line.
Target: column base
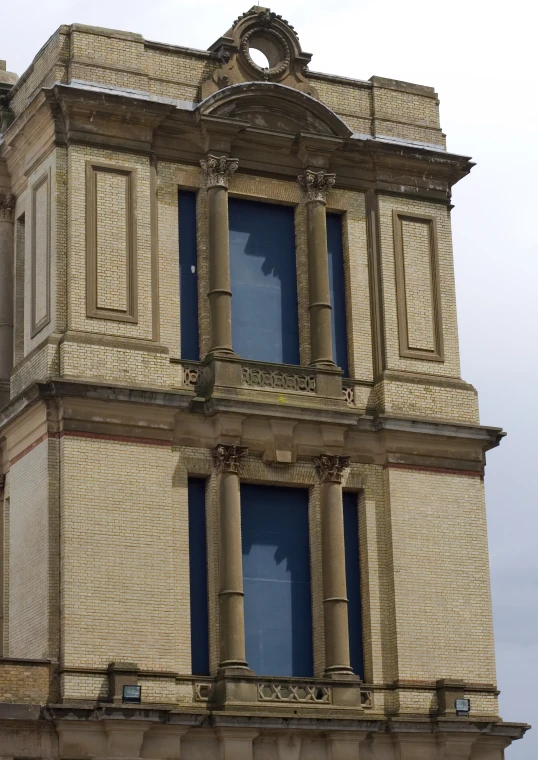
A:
x,y
341,674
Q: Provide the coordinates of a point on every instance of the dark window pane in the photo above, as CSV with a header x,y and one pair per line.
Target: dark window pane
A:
x,y
337,285
264,282
353,582
276,578
188,276
198,577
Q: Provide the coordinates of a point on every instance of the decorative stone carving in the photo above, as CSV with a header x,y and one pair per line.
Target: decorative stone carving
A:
x,y
331,467
273,379
263,30
348,395
227,457
190,376
293,692
7,207
316,185
217,170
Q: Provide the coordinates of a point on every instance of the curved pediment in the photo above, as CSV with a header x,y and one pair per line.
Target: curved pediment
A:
x,y
268,105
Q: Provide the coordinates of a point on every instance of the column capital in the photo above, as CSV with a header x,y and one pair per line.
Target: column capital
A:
x,y
331,467
227,457
7,207
316,185
217,170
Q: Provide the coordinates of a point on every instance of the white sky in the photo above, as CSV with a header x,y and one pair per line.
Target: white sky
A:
x,y
481,58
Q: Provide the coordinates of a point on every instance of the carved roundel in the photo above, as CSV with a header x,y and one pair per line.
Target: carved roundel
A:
x,y
273,45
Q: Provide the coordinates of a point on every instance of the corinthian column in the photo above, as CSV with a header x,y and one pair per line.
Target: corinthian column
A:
x,y
7,209
217,171
227,460
330,470
316,186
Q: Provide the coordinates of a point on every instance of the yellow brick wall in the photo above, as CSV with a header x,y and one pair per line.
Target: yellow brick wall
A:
x,y
442,603
125,555
34,553
24,682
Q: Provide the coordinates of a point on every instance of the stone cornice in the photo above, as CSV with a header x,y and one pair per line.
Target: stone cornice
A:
x,y
135,122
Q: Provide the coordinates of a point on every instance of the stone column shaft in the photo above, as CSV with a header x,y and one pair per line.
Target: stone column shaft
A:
x,y
316,186
231,596
335,613
7,208
217,170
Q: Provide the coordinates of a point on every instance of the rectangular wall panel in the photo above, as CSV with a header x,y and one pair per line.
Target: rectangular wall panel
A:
x,y
417,287
40,255
265,324
353,581
276,580
198,577
111,243
188,276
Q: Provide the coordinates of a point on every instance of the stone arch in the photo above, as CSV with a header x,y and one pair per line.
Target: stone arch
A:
x,y
269,105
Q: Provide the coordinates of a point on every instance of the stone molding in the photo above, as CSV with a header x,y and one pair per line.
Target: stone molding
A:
x,y
7,207
227,457
316,185
217,170
331,467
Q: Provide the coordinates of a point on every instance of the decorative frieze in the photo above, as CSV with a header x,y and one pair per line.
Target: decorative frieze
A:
x,y
316,185
217,170
293,692
331,467
274,379
227,457
7,207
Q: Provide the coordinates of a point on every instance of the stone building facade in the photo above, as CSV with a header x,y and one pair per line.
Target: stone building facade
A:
x,y
144,393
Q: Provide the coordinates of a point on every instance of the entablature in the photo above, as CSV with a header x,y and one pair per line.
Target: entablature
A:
x,y
265,124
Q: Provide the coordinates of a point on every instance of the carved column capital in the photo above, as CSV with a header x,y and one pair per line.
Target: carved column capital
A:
x,y
331,467
7,207
217,170
227,458
316,185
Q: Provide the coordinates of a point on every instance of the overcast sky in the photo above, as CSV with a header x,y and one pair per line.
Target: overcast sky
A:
x,y
481,58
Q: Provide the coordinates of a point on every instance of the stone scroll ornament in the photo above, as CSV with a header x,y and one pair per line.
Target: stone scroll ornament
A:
x,y
7,207
331,467
217,170
227,458
316,185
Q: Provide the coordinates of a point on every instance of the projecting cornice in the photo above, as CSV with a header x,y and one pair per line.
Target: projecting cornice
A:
x,y
273,130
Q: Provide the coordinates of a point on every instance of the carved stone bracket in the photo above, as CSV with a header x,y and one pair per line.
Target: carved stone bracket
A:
x,y
316,185
227,457
7,207
331,467
217,170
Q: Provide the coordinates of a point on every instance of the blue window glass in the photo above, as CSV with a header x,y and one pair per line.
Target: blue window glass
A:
x,y
188,276
276,578
353,581
198,577
263,282
337,285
